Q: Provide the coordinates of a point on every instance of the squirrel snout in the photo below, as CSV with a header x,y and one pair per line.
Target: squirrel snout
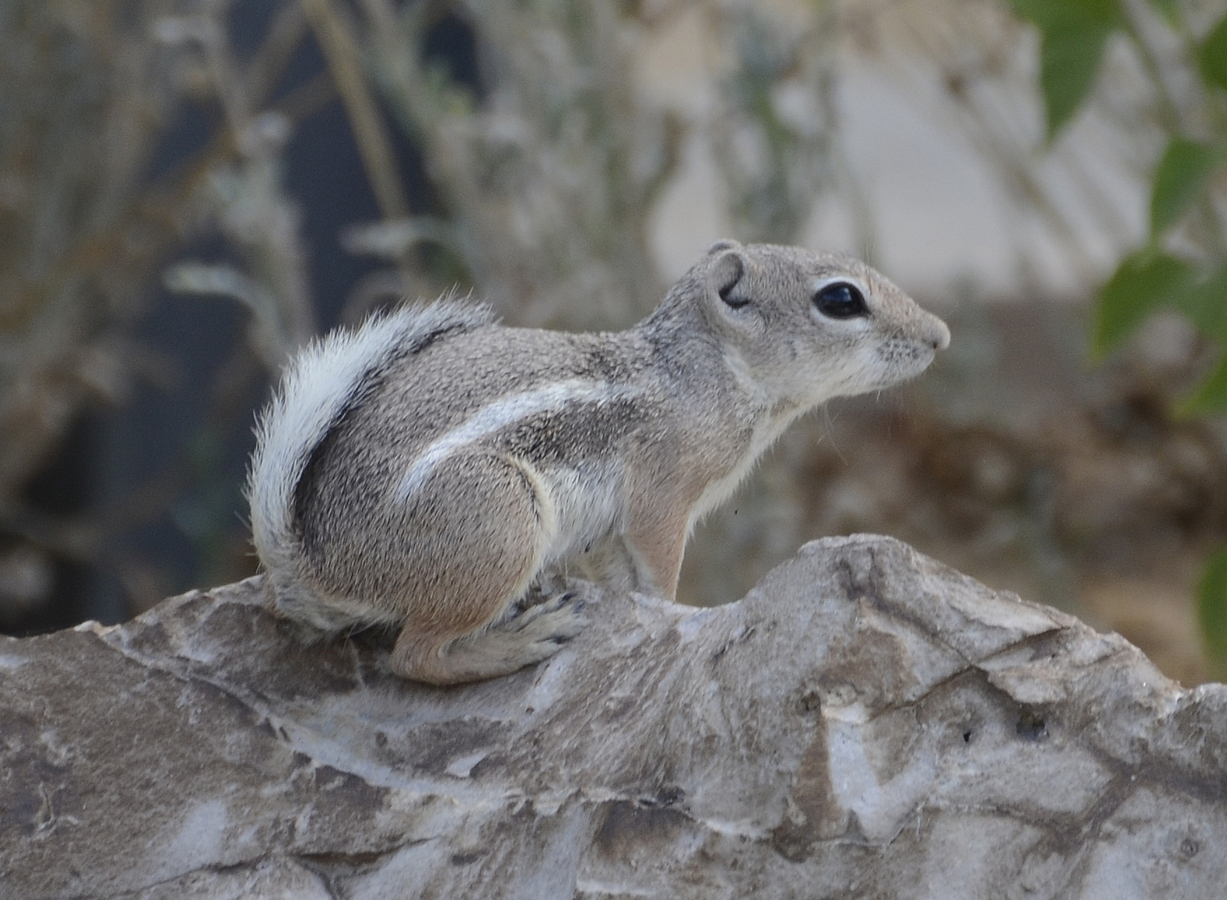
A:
x,y
937,334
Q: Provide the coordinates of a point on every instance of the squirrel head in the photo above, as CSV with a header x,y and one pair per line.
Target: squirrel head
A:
x,y
810,326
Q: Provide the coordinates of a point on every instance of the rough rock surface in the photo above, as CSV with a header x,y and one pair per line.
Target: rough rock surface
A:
x,y
866,723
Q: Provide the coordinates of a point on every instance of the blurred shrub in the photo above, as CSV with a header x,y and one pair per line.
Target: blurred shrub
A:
x,y
542,174
1182,265
92,206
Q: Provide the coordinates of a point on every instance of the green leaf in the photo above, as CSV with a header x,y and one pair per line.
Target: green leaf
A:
x,y
1211,394
1179,179
1205,303
1069,61
1212,610
1046,13
1169,10
1212,56
1143,282
1072,38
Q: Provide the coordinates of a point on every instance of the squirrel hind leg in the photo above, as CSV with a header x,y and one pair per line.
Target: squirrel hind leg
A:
x,y
510,645
458,630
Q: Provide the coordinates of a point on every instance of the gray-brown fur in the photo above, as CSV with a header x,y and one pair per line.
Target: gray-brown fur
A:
x,y
459,459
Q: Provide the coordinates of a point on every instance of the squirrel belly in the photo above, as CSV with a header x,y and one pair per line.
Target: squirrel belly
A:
x,y
425,470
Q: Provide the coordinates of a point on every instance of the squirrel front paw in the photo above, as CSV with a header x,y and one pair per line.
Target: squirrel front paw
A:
x,y
554,620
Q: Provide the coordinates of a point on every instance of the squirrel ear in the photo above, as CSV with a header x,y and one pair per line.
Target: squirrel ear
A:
x,y
722,245
725,278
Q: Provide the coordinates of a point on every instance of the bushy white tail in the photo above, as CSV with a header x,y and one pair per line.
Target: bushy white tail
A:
x,y
318,385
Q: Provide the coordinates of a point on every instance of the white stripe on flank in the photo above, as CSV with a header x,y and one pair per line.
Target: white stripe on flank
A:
x,y
499,415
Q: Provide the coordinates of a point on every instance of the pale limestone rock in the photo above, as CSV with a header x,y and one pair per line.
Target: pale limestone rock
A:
x,y
866,723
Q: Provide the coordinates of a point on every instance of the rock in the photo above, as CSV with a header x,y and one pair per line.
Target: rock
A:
x,y
866,723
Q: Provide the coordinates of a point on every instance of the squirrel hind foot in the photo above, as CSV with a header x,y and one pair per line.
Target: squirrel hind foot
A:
x,y
312,619
509,645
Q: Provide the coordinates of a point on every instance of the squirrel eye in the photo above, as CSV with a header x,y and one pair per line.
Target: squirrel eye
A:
x,y
840,300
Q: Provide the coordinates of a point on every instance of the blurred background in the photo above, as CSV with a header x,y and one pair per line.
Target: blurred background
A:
x,y
190,189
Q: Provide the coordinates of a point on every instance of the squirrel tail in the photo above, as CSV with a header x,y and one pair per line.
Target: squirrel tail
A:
x,y
324,380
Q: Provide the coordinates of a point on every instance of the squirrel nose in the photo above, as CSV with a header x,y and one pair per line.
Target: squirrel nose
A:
x,y
939,336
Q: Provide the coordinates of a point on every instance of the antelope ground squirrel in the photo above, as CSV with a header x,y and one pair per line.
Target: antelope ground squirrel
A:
x,y
424,470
